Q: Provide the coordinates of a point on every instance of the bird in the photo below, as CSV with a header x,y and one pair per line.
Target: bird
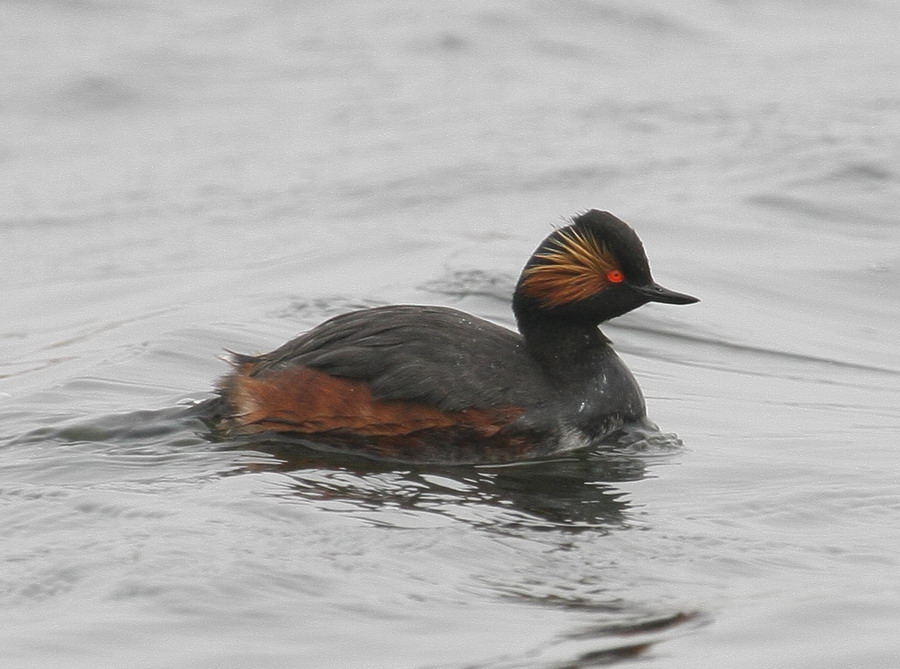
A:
x,y
416,383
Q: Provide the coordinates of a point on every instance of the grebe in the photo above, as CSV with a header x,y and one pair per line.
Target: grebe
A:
x,y
434,384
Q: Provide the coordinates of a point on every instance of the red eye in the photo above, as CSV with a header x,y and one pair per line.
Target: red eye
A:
x,y
615,276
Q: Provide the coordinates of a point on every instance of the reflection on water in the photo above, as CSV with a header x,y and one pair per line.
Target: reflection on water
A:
x,y
572,493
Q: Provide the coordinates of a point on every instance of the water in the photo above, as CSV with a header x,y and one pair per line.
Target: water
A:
x,y
178,179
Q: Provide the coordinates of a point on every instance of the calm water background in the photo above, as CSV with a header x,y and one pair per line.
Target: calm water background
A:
x,y
177,178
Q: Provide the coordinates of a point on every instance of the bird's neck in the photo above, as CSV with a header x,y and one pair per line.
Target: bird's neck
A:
x,y
565,349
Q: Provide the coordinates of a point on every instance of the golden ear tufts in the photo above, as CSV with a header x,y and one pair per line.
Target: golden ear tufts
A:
x,y
575,267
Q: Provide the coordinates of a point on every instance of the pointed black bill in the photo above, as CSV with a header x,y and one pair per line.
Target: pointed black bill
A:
x,y
656,293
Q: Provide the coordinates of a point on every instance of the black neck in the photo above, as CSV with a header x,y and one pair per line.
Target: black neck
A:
x,y
565,348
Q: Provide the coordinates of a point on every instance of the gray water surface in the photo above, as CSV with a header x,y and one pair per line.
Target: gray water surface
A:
x,y
181,178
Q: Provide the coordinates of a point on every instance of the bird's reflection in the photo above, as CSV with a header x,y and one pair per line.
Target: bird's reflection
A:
x,y
574,492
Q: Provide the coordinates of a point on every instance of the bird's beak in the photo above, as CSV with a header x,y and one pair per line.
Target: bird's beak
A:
x,y
656,293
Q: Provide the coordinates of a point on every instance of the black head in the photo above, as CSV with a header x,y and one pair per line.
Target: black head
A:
x,y
590,271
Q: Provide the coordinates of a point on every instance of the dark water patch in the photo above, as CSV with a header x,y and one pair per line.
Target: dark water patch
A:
x,y
712,112
18,368
91,93
873,173
627,636
636,20
813,209
437,187
313,310
460,283
571,177
150,446
452,42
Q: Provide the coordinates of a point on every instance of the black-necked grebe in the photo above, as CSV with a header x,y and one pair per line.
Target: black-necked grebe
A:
x,y
426,383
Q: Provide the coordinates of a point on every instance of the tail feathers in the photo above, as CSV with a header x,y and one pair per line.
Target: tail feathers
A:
x,y
239,359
